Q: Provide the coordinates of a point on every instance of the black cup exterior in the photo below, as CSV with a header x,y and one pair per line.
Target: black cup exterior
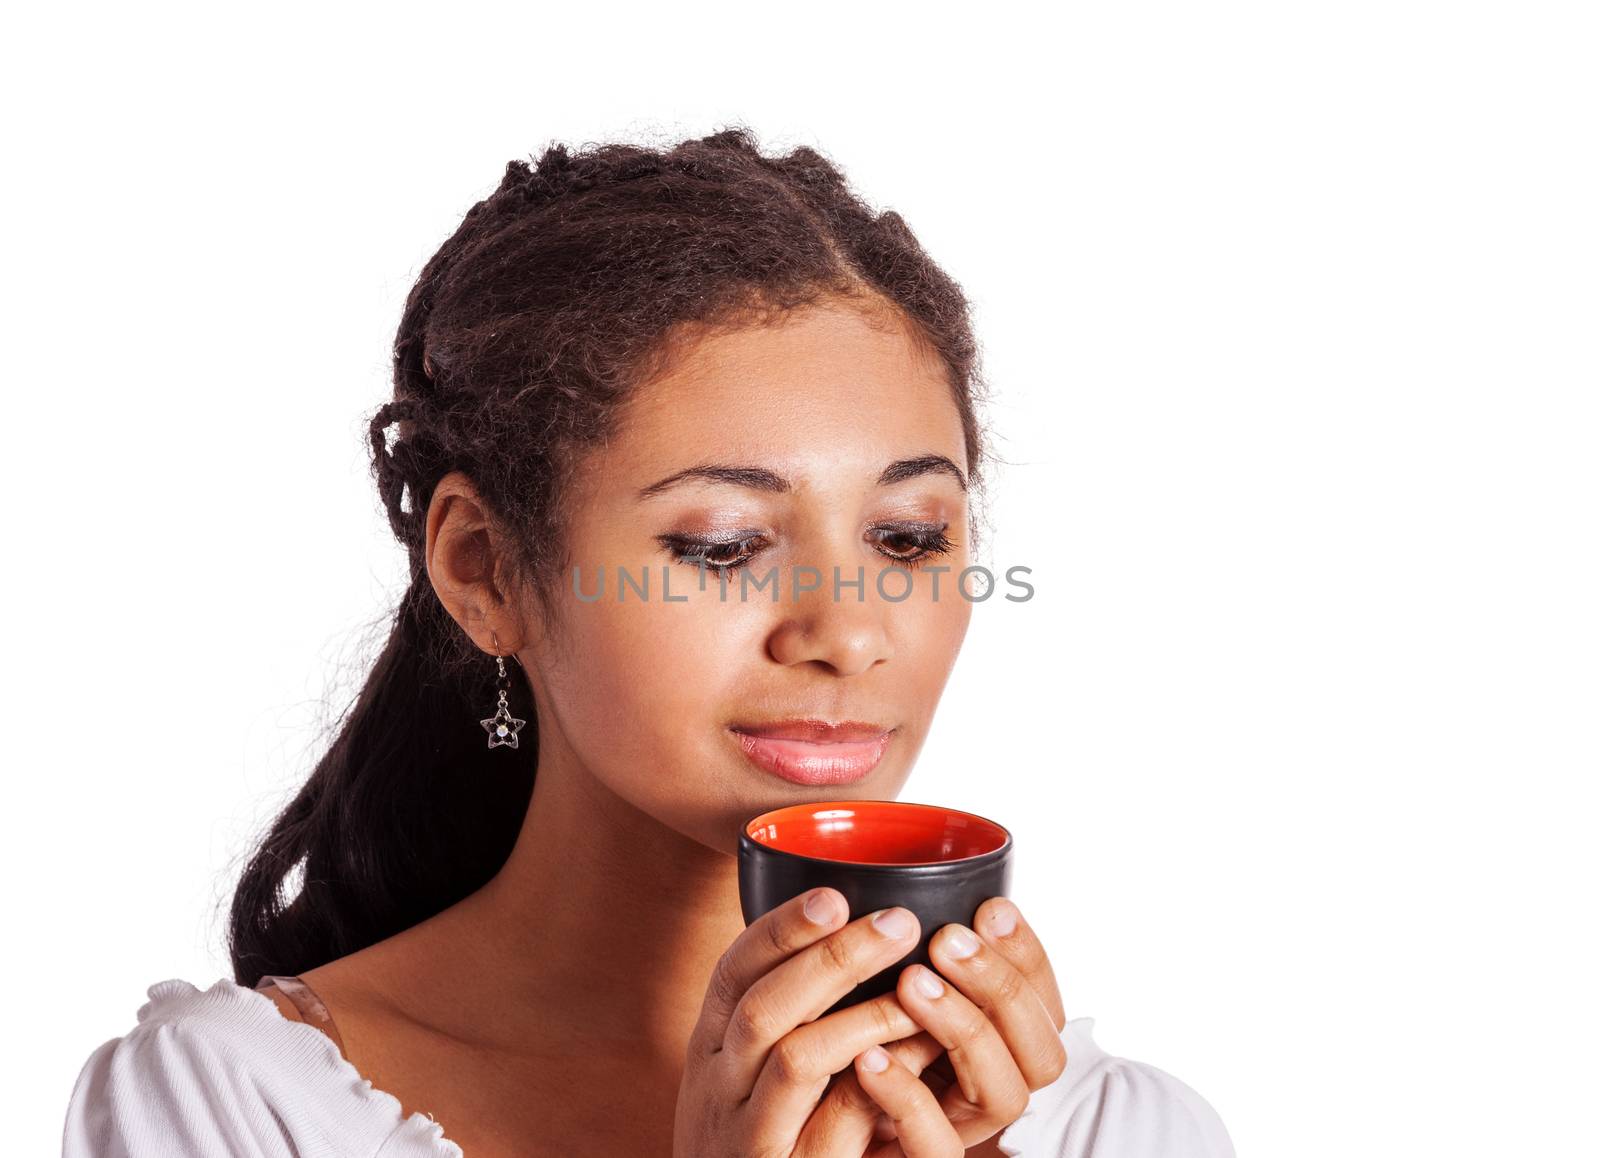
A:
x,y
941,893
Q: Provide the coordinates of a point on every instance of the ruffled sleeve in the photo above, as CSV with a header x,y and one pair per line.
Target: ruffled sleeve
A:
x,y
167,1089
221,1071
1112,1107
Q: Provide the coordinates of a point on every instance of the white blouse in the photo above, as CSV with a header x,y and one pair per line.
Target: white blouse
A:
x,y
222,1071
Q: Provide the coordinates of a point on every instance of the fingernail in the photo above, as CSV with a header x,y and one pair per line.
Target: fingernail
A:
x,y
961,942
819,907
894,922
1004,920
927,983
875,1060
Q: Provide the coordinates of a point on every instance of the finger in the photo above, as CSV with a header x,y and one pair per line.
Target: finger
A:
x,y
799,1064
1007,1000
1001,924
937,1075
916,1053
845,1120
800,989
771,938
990,1090
921,1127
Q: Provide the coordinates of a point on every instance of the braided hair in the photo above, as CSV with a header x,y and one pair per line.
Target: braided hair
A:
x,y
575,281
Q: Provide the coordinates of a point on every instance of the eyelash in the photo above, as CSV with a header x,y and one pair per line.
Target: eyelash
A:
x,y
929,541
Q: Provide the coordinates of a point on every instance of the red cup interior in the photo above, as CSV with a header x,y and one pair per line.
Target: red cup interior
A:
x,y
876,832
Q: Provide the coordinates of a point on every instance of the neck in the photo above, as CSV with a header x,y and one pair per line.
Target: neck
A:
x,y
600,932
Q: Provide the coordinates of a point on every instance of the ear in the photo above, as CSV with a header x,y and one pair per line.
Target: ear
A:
x,y
467,565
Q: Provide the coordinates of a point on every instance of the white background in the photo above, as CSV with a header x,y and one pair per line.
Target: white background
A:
x,y
1290,314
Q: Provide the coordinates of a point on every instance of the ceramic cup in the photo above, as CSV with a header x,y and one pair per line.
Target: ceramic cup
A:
x,y
941,863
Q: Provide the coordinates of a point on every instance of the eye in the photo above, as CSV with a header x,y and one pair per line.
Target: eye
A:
x,y
910,544
725,555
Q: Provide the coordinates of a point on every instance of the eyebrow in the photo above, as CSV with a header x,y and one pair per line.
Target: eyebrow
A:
x,y
762,479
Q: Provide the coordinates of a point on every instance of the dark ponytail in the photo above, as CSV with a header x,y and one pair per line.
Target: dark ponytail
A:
x,y
556,295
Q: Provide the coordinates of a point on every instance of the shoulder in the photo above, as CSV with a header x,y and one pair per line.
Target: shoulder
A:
x,y
222,1070
1103,1106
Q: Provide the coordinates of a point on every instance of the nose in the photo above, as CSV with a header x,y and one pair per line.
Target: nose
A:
x,y
848,634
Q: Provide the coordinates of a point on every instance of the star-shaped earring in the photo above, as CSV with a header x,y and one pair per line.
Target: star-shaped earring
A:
x,y
502,726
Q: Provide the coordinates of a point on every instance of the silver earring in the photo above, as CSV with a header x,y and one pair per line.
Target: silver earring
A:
x,y
502,726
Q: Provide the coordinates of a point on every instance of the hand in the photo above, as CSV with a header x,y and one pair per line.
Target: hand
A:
x,y
762,1056
999,1025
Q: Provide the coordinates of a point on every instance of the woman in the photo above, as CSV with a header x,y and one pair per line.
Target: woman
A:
x,y
688,365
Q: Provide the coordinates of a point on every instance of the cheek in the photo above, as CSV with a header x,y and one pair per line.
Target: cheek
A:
x,y
930,638
645,685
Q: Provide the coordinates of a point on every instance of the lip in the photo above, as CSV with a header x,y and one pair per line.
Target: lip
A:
x,y
814,729
814,752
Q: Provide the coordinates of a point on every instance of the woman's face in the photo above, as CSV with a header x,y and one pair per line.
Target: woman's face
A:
x,y
647,690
